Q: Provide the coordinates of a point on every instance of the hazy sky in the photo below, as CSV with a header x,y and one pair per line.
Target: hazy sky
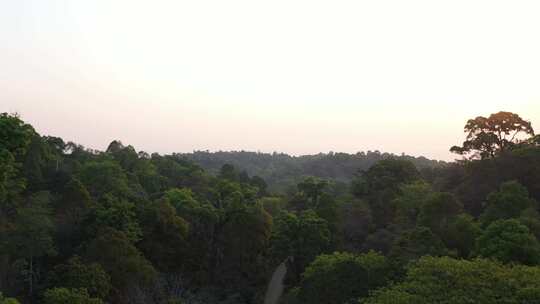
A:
x,y
293,76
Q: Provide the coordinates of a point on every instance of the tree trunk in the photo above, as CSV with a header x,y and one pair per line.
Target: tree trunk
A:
x,y
4,264
31,282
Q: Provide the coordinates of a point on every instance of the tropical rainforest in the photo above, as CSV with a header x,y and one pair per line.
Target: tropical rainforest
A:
x,y
122,226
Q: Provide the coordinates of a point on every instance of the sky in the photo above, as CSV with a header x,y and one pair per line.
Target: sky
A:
x,y
293,76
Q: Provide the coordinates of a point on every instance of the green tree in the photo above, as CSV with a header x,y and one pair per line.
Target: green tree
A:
x,y
327,209
32,235
381,240
182,199
229,172
38,158
302,237
260,183
200,215
386,174
312,188
340,277
11,184
77,275
127,157
122,261
380,185
410,201
355,224
203,219
147,175
4,300
164,236
487,137
119,214
176,172
509,202
451,281
15,134
229,194
243,237
15,137
416,243
70,211
530,217
438,211
104,177
508,241
273,204
69,296
461,235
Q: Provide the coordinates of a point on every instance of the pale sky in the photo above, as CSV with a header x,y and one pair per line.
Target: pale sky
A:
x,y
299,77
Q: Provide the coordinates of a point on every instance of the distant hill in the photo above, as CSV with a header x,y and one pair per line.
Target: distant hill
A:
x,y
281,171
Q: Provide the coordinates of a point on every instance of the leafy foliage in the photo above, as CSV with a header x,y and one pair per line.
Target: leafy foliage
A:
x,y
4,300
380,185
447,280
125,226
122,261
68,296
509,241
75,274
509,202
341,277
492,135
301,237
283,172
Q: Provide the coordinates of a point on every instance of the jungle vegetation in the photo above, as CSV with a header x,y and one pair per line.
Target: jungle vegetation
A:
x,y
125,226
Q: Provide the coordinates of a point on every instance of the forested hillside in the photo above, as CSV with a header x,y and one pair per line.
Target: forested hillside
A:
x,y
282,171
125,226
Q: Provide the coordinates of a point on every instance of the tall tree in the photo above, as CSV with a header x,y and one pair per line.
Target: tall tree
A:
x,y
438,212
413,244
461,235
11,184
70,212
487,137
122,260
164,236
410,202
32,235
381,184
509,241
341,277
301,237
15,137
452,281
104,177
15,134
116,213
312,188
509,202
242,238
76,274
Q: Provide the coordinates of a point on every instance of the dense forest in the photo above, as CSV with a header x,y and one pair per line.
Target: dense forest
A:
x,y
282,172
125,226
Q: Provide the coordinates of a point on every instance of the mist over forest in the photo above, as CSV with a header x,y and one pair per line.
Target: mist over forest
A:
x,y
126,226
282,172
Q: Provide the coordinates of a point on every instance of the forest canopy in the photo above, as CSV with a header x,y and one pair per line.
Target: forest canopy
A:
x,y
126,226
